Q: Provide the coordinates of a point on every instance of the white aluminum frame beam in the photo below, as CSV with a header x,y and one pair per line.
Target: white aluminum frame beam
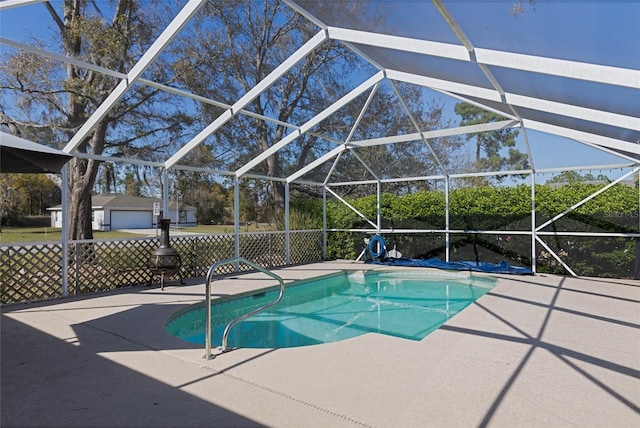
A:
x,y
338,150
559,67
583,113
555,256
352,208
9,4
598,140
494,232
364,164
556,67
469,174
333,167
445,85
587,199
470,129
61,58
311,123
415,125
263,85
611,151
424,47
316,163
587,168
447,132
162,87
145,61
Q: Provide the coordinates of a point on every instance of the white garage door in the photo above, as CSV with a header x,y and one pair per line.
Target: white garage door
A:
x,y
131,220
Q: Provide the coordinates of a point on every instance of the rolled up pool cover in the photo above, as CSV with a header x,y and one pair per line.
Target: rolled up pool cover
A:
x,y
502,267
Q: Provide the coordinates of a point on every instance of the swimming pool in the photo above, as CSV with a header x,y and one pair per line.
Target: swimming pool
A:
x,y
328,309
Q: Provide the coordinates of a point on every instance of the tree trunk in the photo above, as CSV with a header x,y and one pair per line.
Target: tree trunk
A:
x,y
79,218
81,180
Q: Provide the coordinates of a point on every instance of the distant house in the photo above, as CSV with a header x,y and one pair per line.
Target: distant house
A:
x,y
110,212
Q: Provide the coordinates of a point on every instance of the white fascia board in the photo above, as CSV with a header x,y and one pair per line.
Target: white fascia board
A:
x,y
10,4
577,112
61,58
316,163
597,140
248,97
143,63
311,123
424,47
445,85
559,67
469,129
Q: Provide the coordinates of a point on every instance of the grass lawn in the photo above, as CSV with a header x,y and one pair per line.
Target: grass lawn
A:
x,y
45,234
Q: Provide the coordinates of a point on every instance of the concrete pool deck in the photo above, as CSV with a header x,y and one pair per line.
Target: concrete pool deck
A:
x,y
543,350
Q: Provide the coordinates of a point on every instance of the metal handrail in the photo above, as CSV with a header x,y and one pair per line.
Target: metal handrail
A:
x,y
207,309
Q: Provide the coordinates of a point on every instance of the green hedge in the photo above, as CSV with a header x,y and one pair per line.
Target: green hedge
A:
x,y
499,208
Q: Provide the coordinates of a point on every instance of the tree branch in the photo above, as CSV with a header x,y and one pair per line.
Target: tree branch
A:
x,y
55,16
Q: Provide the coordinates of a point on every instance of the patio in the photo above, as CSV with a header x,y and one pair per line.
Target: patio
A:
x,y
546,351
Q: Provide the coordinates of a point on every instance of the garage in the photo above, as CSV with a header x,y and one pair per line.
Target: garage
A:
x,y
113,211
131,220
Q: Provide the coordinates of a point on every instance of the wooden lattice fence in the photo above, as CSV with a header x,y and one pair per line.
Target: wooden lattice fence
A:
x,y
34,271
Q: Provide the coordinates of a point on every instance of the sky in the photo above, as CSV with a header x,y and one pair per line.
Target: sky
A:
x,y
532,32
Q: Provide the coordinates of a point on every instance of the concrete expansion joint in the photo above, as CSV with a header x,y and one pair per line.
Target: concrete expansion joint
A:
x,y
296,400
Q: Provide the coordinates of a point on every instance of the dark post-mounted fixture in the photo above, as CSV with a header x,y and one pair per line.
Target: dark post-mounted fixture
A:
x,y
165,261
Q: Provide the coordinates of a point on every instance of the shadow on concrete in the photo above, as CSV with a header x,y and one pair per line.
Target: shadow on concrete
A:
x,y
82,387
564,354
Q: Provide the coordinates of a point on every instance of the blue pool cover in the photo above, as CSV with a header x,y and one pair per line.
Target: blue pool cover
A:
x,y
502,267
376,253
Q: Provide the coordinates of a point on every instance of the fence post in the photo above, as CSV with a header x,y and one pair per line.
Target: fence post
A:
x,y
76,252
636,262
65,228
287,236
195,257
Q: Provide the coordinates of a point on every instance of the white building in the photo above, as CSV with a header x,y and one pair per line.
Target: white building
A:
x,y
110,212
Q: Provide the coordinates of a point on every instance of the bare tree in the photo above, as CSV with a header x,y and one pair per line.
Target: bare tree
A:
x,y
236,44
65,95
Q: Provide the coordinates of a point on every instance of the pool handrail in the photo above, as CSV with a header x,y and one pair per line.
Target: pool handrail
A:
x,y
207,309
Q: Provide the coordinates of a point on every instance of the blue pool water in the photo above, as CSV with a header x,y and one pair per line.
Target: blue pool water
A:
x,y
404,304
